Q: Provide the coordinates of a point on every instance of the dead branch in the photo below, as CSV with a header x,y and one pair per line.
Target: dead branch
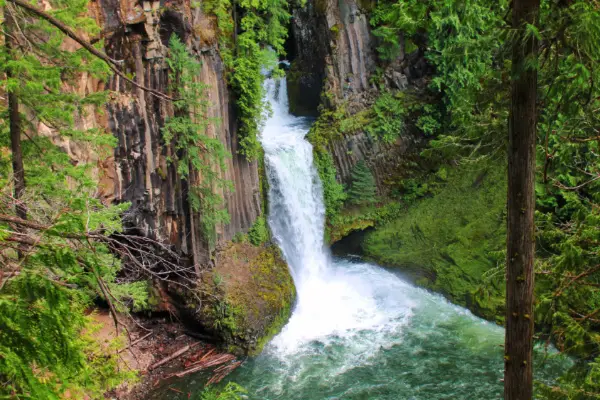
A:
x,y
222,372
113,64
213,361
563,187
590,316
135,342
173,356
576,278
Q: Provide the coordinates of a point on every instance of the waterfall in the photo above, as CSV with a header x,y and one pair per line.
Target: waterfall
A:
x,y
296,210
332,302
357,331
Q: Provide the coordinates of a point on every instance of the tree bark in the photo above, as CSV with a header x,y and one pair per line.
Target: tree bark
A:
x,y
14,126
518,372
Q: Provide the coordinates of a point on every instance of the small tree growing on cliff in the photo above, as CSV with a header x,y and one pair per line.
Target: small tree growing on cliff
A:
x,y
196,154
362,189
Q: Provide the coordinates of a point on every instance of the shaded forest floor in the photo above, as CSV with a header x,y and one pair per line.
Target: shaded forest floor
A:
x,y
158,349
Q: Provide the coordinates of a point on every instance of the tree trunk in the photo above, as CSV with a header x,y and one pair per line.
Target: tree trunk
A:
x,y
518,373
15,127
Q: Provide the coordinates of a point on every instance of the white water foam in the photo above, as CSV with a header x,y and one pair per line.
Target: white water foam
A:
x,y
336,301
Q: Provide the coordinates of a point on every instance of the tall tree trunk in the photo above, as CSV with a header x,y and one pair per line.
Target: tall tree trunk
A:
x,y
15,126
518,372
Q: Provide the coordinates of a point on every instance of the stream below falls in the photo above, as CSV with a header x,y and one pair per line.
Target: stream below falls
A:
x,y
358,331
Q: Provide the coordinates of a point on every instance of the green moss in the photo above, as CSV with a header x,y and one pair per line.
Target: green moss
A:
x,y
251,300
348,221
452,242
333,191
335,31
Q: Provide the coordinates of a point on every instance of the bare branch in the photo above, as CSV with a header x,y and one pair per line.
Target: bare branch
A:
x,y
113,64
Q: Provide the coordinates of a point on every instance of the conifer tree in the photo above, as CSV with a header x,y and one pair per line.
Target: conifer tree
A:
x,y
57,246
518,371
363,188
470,44
197,155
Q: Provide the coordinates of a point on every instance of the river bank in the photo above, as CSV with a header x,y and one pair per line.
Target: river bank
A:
x,y
157,349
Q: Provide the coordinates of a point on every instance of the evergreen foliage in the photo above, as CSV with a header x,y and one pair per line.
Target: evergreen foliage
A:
x,y
464,42
333,191
452,239
469,43
199,158
259,233
55,263
232,391
383,121
387,121
250,45
362,188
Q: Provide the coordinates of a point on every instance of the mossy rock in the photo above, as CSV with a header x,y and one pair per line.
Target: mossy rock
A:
x,y
452,241
248,297
347,221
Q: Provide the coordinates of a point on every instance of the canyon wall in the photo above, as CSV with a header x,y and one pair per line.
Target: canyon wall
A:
x,y
141,169
335,58
138,34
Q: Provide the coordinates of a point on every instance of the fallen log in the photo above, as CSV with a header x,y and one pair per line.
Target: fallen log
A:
x,y
218,359
208,353
196,357
173,356
222,372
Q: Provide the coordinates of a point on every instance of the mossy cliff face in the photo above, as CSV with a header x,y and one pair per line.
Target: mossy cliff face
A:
x,y
247,297
449,235
451,240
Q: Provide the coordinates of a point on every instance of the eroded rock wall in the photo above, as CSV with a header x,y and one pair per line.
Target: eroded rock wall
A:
x,y
137,33
334,53
335,57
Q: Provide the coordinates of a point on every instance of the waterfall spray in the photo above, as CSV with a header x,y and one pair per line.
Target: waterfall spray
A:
x,y
357,330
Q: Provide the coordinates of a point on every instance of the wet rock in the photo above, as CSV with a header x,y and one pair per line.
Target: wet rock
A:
x,y
334,49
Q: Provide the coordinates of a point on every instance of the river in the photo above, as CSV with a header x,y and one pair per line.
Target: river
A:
x,y
358,331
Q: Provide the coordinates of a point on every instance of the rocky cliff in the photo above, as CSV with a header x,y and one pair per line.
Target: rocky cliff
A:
x,y
140,170
334,59
333,52
344,70
335,65
137,33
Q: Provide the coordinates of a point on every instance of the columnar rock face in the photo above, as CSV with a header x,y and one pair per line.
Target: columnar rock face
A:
x,y
334,57
142,172
383,159
334,51
137,33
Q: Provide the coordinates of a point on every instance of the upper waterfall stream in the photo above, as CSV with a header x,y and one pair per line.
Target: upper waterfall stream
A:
x,y
359,331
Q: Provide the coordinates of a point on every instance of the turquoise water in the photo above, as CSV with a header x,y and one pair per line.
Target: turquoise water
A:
x,y
435,350
358,331
424,349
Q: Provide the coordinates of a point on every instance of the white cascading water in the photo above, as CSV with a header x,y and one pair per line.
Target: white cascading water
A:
x,y
331,301
357,331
